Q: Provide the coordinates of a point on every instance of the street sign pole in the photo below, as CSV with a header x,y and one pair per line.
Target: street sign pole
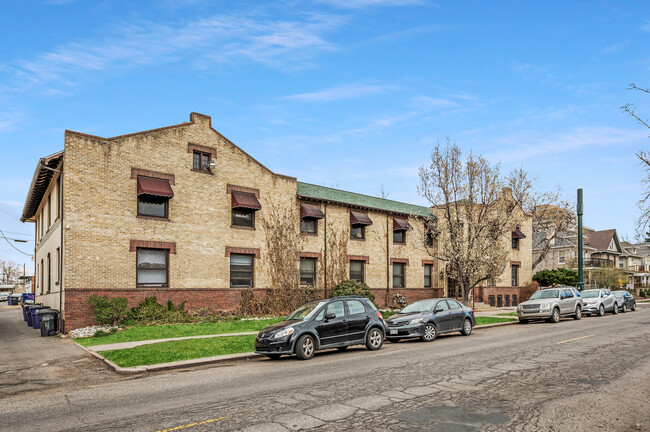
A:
x,y
581,283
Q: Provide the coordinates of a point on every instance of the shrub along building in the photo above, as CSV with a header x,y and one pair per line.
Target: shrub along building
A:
x,y
184,214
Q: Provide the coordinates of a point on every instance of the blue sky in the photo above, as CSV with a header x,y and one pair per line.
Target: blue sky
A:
x,y
344,93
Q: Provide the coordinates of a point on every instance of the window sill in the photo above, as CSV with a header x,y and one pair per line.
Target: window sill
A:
x,y
202,171
153,217
399,243
243,227
357,239
308,234
150,286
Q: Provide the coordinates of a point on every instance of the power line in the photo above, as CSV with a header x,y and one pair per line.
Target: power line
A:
x,y
19,233
11,244
13,216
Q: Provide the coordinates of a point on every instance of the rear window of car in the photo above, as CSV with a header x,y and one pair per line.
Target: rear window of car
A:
x,y
453,304
356,307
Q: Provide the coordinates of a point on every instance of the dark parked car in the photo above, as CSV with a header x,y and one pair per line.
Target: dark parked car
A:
x,y
427,319
625,301
321,324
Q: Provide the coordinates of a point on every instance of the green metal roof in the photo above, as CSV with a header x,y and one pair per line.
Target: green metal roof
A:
x,y
336,195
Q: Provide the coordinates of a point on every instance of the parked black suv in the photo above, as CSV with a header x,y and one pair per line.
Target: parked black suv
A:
x,y
337,322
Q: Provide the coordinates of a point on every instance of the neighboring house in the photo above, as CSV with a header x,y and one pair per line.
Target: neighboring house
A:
x,y
176,212
636,263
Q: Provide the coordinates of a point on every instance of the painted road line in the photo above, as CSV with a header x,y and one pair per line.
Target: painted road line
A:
x,y
193,424
575,339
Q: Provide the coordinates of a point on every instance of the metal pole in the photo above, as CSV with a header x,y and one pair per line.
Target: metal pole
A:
x,y
581,283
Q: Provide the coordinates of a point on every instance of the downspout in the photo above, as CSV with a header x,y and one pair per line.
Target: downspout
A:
x,y
325,253
61,253
387,262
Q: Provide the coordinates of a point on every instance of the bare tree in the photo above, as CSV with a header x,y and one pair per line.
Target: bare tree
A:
x,y
553,218
476,214
337,255
644,158
283,246
9,272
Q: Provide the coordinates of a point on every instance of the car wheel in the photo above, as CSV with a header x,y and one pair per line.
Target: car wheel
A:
x,y
601,310
633,308
342,348
555,316
305,347
467,328
578,314
624,308
375,339
615,310
273,356
430,333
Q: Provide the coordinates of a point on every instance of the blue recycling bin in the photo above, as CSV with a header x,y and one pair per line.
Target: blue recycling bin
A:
x,y
28,297
10,300
25,309
30,314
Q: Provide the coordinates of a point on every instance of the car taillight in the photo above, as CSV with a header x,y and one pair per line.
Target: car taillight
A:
x,y
379,315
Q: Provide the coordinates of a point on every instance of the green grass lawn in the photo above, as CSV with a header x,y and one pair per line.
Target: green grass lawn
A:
x,y
387,314
508,314
165,352
491,320
138,333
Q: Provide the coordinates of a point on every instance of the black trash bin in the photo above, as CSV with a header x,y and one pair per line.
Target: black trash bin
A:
x,y
49,320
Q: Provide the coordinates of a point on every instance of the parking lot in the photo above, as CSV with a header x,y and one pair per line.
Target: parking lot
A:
x,y
522,377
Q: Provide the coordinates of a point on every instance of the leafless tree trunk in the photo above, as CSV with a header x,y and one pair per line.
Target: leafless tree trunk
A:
x,y
476,213
9,271
337,255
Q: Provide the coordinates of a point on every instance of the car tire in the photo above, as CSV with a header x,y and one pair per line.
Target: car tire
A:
x,y
633,308
430,333
342,348
467,328
523,321
273,356
624,308
555,316
615,309
578,314
601,310
305,347
375,339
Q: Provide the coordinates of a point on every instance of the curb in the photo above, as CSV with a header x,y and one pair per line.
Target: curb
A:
x,y
209,360
172,365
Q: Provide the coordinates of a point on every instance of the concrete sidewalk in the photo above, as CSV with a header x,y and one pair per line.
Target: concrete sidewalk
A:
x,y
125,345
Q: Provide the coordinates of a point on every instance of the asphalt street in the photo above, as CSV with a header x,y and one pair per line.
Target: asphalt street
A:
x,y
571,376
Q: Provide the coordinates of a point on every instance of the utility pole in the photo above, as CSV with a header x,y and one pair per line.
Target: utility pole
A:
x,y
581,283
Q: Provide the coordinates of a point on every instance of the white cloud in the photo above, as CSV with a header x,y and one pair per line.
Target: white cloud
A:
x,y
426,102
360,4
221,38
527,145
614,48
646,26
349,91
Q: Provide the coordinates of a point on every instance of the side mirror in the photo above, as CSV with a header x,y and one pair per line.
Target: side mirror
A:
x,y
329,316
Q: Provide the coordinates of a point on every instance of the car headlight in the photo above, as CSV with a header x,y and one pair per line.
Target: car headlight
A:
x,y
546,305
283,333
416,321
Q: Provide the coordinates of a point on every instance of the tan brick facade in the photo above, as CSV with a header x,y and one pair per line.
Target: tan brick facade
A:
x,y
103,229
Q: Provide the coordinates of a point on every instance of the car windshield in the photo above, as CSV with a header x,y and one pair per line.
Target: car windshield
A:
x,y
589,294
305,311
619,293
544,294
418,306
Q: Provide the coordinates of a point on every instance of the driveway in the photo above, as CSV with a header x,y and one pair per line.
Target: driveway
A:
x,y
29,362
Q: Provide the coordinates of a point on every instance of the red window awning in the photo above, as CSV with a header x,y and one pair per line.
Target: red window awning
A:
x,y
154,186
245,200
516,234
359,218
400,224
311,211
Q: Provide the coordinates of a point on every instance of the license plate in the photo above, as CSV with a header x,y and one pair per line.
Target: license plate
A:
x,y
393,332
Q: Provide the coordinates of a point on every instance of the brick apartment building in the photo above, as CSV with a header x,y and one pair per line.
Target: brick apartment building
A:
x,y
175,212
